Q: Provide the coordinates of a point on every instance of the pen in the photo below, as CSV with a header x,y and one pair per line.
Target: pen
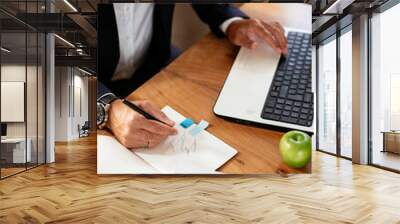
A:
x,y
142,112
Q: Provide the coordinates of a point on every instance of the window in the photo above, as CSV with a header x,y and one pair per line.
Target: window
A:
x,y
327,97
346,94
334,106
385,89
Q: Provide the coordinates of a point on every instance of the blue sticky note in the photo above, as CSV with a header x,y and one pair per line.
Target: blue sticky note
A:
x,y
187,123
198,128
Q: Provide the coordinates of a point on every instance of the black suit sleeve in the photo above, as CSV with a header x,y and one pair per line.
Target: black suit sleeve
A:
x,y
215,14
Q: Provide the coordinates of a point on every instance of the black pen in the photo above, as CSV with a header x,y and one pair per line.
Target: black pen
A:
x,y
142,112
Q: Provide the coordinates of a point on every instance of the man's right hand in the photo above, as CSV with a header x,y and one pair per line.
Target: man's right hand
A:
x,y
135,131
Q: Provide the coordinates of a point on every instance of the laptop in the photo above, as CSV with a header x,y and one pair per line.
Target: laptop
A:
x,y
266,89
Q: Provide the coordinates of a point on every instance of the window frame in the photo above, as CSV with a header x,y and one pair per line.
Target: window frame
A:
x,y
333,37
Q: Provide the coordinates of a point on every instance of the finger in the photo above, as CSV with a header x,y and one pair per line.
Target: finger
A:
x,y
156,112
276,34
156,127
263,33
280,36
248,43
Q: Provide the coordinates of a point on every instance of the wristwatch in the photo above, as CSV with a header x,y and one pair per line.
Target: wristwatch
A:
x,y
103,104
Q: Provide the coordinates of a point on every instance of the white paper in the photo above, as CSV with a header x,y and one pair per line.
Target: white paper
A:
x,y
179,154
201,154
114,158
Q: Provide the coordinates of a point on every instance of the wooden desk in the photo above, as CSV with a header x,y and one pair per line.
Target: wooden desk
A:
x,y
391,141
191,85
14,152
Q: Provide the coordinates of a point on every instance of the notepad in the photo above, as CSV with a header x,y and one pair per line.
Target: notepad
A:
x,y
192,151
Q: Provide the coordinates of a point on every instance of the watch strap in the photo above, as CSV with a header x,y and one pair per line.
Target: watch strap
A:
x,y
107,98
105,120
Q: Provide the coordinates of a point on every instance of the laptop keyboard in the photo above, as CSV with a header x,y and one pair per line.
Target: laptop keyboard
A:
x,y
290,98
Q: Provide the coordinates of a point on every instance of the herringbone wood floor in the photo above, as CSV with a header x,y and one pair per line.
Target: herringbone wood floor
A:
x,y
69,191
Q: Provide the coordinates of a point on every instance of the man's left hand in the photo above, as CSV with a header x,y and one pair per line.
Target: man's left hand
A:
x,y
247,32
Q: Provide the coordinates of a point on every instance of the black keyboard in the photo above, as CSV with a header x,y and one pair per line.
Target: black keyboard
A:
x,y
290,97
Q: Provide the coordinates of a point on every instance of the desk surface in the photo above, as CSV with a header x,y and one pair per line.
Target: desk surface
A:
x,y
191,85
13,140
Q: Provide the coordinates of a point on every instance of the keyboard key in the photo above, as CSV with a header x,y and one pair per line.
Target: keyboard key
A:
x,y
271,116
305,111
308,97
283,92
280,100
302,122
295,97
287,108
289,119
269,110
271,102
288,102
280,73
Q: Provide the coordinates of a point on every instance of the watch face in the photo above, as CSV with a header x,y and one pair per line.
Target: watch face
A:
x,y
100,114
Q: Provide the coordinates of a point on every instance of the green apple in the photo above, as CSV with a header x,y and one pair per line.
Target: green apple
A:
x,y
295,148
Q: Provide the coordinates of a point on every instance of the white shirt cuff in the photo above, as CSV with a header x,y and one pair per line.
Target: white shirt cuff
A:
x,y
224,26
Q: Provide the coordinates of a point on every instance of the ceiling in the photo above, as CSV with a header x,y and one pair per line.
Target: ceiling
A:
x,y
72,20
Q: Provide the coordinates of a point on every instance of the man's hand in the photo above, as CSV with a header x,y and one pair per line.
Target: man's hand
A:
x,y
135,131
247,32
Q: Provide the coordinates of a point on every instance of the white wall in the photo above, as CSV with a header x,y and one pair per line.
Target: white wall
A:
x,y
12,73
71,96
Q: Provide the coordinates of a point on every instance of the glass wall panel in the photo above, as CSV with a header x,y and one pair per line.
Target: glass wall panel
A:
x,y
23,89
32,87
31,97
41,79
14,153
327,97
385,89
346,94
